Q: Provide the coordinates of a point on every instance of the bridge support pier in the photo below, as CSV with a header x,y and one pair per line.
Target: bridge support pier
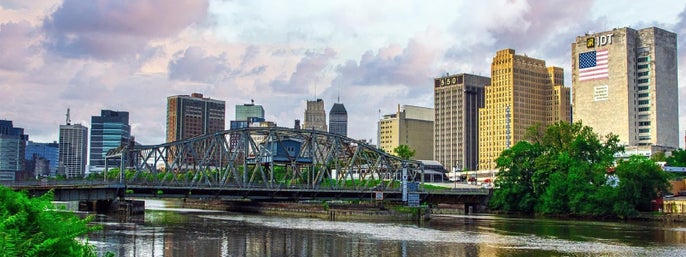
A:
x,y
97,206
123,207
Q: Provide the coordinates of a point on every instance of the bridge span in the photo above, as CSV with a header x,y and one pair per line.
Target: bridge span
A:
x,y
85,190
259,164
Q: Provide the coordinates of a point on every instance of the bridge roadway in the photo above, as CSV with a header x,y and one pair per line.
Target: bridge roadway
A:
x,y
99,190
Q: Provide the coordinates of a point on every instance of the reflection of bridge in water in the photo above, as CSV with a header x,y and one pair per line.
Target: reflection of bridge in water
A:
x,y
267,164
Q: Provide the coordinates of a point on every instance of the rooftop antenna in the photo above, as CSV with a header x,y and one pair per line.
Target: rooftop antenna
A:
x,y
315,91
68,120
252,101
338,97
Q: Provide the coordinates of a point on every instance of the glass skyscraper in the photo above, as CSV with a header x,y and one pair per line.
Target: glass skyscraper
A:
x,y
338,120
108,131
12,148
46,151
246,111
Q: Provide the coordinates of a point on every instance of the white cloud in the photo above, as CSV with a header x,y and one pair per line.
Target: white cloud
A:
x,y
90,55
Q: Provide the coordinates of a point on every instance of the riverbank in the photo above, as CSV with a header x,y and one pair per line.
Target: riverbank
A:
x,y
332,210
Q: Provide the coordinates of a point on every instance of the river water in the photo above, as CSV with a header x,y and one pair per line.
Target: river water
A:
x,y
168,231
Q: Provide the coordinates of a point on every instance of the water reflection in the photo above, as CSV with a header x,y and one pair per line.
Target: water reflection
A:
x,y
198,233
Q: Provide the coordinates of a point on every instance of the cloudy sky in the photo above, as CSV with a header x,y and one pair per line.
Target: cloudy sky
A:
x,y
129,55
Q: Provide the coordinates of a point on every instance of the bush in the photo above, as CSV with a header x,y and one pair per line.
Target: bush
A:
x,y
31,227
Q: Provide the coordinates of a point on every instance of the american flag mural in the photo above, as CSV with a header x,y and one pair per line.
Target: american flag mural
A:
x,y
593,65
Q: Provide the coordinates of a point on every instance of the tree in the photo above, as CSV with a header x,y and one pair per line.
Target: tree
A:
x,y
640,181
515,191
678,158
404,151
31,227
659,157
569,170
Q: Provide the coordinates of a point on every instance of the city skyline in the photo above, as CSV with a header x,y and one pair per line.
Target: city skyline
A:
x,y
123,56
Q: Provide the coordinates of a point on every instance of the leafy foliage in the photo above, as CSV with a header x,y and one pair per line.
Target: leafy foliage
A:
x,y
640,181
678,158
568,170
404,151
31,227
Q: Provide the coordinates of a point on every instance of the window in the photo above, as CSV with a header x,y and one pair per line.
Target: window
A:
x,y
643,109
642,102
645,73
643,59
643,95
641,81
645,130
642,66
641,88
644,123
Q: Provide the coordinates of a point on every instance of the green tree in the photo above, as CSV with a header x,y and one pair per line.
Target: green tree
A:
x,y
31,227
568,170
515,190
659,157
640,181
404,151
678,158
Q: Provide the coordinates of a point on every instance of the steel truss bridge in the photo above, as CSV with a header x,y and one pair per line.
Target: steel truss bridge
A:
x,y
262,164
262,158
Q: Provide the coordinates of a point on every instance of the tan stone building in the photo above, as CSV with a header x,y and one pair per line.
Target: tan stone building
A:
x,y
523,92
457,99
315,116
411,126
625,82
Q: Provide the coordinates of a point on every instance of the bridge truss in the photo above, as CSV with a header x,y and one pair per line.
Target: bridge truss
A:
x,y
264,157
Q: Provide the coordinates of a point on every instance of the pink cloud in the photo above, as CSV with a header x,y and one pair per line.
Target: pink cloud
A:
x,y
17,45
308,72
392,65
108,29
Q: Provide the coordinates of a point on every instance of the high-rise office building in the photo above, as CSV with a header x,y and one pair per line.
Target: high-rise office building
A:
x,y
73,144
251,110
338,120
523,92
625,82
315,115
12,150
47,151
411,126
190,116
457,99
110,130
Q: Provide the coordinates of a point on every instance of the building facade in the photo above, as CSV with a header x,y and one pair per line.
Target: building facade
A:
x,y
12,150
411,126
43,151
315,116
194,115
338,120
73,144
110,130
523,93
246,111
457,99
625,83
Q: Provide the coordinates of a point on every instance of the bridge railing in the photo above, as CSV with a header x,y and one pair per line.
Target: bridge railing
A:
x,y
56,183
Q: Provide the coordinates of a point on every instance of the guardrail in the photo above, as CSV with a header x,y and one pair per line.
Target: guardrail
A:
x,y
56,183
